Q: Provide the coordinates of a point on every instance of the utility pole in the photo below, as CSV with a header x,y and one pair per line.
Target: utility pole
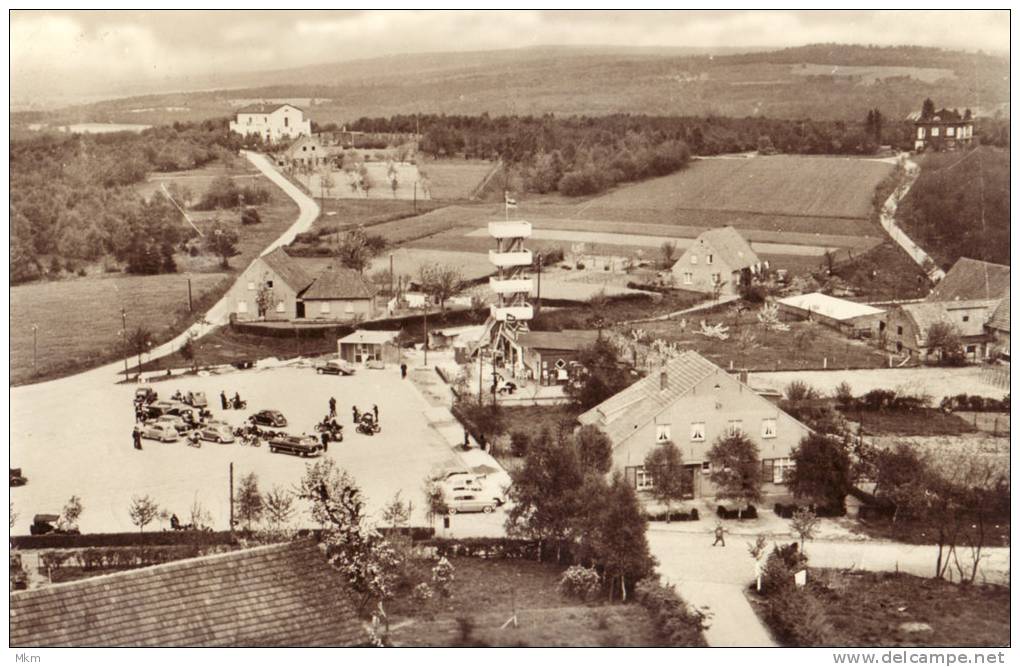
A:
x,y
123,317
231,498
479,376
538,298
425,323
35,358
415,200
391,276
191,307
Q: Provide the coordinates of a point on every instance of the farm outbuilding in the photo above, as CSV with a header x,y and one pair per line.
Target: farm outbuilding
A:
x,y
551,356
848,317
363,347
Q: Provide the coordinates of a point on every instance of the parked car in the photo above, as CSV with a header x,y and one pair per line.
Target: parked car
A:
x,y
471,501
176,422
17,479
334,367
296,445
217,432
183,411
272,418
196,399
44,524
160,430
146,395
158,409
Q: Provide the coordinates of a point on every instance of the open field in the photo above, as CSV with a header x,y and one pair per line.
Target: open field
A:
x,y
198,180
873,73
79,319
780,185
870,608
487,592
454,178
381,183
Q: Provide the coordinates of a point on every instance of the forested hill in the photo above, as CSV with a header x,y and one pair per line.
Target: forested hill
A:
x,y
822,82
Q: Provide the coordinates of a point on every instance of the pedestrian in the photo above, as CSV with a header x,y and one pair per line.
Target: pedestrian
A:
x,y
332,407
375,411
137,437
325,441
719,533
467,440
357,415
223,400
403,371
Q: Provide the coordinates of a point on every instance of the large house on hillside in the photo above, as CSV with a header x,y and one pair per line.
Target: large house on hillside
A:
x,y
271,122
946,129
692,403
277,595
290,293
720,259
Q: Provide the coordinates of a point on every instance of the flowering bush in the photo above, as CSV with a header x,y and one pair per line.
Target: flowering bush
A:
x,y
422,594
580,582
442,576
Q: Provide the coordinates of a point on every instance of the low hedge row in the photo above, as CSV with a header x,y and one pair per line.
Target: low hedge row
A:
x,y
100,558
122,539
676,623
489,547
751,512
787,511
674,516
974,403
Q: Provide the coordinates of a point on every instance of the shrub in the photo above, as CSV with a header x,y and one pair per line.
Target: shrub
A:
x,y
519,441
800,391
676,623
250,216
751,512
844,394
780,566
798,619
422,593
580,582
442,576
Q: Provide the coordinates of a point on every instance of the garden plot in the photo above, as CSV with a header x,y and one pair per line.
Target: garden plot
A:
x,y
380,179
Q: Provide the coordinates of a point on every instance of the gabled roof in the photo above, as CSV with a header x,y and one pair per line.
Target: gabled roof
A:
x,y
288,269
927,313
278,595
336,283
972,279
620,415
369,337
729,247
268,107
568,339
1000,318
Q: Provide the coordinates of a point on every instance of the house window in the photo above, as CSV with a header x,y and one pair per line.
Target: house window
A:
x,y
734,426
251,286
966,318
662,433
286,121
899,331
971,349
324,308
349,308
644,480
950,131
781,467
768,428
920,133
280,307
697,431
706,466
242,306
694,259
688,277
934,131
269,284
304,149
708,259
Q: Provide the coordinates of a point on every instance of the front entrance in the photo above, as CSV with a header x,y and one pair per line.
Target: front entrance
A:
x,y
300,310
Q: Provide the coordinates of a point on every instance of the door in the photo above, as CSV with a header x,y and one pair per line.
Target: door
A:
x,y
300,310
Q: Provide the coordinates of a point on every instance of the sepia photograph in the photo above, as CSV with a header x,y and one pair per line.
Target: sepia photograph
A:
x,y
567,328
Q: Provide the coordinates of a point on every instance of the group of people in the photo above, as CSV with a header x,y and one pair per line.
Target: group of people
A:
x,y
235,402
358,414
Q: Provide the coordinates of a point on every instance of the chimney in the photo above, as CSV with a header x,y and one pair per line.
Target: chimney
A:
x,y
743,376
663,380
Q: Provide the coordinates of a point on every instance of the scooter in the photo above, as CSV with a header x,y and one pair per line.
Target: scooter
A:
x,y
194,440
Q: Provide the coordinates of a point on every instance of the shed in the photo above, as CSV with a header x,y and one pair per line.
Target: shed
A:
x,y
363,347
849,317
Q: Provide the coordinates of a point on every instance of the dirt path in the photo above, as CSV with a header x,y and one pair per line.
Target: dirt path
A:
x,y
887,218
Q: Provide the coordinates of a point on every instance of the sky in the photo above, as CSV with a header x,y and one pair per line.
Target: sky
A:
x,y
75,53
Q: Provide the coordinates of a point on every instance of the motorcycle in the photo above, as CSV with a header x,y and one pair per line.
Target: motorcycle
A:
x,y
335,433
194,440
368,426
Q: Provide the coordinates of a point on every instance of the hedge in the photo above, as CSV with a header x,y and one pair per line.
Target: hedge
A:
x,y
103,558
675,622
974,403
797,618
162,538
751,512
787,511
674,516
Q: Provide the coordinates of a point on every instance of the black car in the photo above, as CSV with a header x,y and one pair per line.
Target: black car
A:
x,y
44,524
17,479
273,418
296,445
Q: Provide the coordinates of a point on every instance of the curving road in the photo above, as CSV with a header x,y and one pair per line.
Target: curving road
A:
x,y
219,314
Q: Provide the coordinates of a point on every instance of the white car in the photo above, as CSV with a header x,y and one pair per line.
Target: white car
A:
x,y
160,430
471,501
216,432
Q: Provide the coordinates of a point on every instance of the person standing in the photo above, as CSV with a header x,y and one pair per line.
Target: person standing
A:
x,y
354,411
325,441
332,407
223,400
375,411
137,437
720,533
403,371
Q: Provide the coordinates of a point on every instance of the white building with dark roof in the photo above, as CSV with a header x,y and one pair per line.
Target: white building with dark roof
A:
x,y
719,259
271,122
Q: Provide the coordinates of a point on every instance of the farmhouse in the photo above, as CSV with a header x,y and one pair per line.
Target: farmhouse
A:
x,y
905,328
972,279
550,357
692,403
362,347
946,129
848,317
276,287
310,151
998,328
719,261
271,122
242,598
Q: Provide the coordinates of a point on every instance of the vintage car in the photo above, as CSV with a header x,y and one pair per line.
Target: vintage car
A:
x,y
296,445
45,524
471,501
158,409
160,430
273,418
17,479
217,432
334,367
145,395
178,423
196,399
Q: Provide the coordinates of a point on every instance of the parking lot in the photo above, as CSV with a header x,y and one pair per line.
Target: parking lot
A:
x,y
73,436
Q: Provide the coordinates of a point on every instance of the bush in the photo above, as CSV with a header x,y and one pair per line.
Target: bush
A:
x,y
797,618
749,513
250,216
519,441
787,511
442,576
780,566
580,582
676,623
422,593
675,516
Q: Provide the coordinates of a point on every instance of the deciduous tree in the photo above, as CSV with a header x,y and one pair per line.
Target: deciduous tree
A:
x,y
666,465
250,506
142,511
736,469
822,471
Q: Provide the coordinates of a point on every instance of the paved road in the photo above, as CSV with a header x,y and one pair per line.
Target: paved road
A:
x,y
716,577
